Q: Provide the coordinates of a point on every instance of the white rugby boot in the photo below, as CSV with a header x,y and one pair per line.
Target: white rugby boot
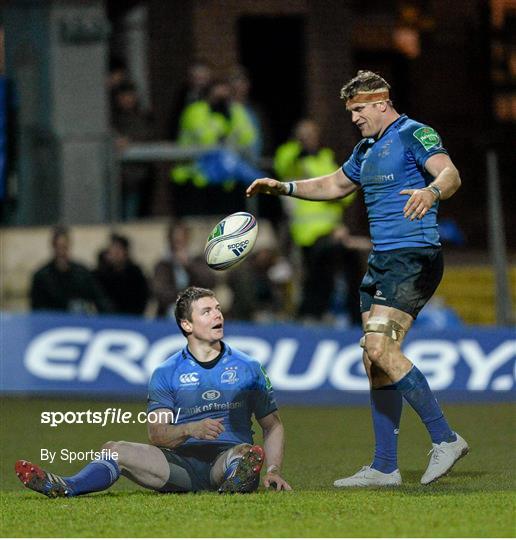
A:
x,y
367,477
443,458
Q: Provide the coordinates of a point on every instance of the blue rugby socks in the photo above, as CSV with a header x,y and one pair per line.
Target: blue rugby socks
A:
x,y
96,476
414,388
386,406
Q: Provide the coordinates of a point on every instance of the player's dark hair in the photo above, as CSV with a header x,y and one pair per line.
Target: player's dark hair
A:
x,y
184,302
363,81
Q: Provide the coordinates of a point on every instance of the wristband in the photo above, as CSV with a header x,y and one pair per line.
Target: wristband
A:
x,y
435,190
291,189
272,468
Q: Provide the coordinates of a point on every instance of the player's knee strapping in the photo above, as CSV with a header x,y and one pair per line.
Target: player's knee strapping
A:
x,y
385,326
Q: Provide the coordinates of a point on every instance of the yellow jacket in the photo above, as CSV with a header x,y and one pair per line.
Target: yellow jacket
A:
x,y
310,219
200,126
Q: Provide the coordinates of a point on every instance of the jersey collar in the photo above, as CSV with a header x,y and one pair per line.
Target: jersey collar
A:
x,y
225,350
392,125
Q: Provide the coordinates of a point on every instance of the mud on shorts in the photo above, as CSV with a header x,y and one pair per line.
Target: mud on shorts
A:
x,y
190,467
404,278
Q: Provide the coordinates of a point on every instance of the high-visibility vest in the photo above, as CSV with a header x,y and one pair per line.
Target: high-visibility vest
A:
x,y
309,220
200,126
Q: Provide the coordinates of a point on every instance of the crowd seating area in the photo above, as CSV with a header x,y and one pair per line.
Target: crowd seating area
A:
x,y
469,289
24,249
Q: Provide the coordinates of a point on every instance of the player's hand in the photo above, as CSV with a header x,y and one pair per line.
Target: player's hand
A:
x,y
206,430
268,186
420,201
274,481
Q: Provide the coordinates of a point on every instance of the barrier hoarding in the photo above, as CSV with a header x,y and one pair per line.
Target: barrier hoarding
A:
x,y
107,357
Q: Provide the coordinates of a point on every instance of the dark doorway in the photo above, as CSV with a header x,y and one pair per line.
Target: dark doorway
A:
x,y
394,68
273,51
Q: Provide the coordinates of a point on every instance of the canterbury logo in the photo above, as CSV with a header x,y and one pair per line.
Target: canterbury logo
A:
x,y
189,378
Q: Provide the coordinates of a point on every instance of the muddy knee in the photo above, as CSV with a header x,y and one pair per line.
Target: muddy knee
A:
x,y
378,356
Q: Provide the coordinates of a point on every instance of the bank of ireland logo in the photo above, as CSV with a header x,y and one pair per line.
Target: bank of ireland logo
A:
x,y
229,376
428,137
217,231
210,395
189,378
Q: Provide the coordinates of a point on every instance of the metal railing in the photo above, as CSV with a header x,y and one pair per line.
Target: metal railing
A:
x,y
170,152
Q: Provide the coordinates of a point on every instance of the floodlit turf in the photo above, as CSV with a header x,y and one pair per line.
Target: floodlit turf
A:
x,y
477,499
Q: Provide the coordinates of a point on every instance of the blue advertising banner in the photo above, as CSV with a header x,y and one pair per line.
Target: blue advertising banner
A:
x,y
108,357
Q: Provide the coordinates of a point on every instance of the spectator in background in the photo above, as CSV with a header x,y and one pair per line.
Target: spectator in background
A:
x,y
118,75
335,269
177,270
65,285
198,80
215,121
241,88
312,227
260,287
132,124
121,279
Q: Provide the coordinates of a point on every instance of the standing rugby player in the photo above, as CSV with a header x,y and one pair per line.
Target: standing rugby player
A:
x,y
404,173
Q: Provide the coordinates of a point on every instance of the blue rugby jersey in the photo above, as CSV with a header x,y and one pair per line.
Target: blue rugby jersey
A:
x,y
233,389
384,167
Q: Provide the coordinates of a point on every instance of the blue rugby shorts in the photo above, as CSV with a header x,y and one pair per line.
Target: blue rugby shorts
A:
x,y
404,278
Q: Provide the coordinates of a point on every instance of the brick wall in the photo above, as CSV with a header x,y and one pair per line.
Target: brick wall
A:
x,y
448,84
207,29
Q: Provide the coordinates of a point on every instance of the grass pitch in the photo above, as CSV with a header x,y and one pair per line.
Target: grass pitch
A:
x,y
476,499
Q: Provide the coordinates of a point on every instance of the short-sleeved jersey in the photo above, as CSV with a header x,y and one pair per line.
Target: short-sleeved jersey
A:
x,y
388,165
233,387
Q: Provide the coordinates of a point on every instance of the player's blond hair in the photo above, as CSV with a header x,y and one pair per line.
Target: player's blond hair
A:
x,y
364,81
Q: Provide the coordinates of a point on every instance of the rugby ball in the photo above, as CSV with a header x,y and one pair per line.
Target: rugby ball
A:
x,y
231,241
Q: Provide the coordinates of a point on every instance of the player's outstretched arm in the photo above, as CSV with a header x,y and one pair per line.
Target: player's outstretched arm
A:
x,y
162,433
273,442
446,182
322,188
